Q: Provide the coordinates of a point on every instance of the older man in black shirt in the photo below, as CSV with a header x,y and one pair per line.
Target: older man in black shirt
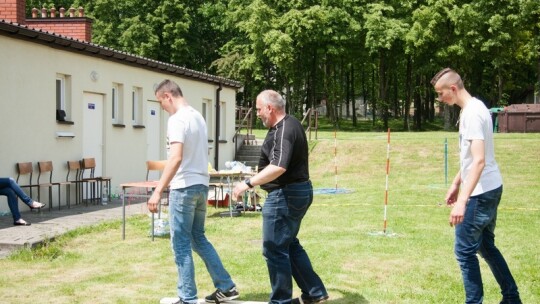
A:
x,y
284,174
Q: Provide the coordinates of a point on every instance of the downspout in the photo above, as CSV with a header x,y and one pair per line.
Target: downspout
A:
x,y
218,108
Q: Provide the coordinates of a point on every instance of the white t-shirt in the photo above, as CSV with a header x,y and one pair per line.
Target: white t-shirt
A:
x,y
187,126
475,123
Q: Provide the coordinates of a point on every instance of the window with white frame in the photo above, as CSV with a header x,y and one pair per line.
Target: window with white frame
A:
x,y
136,106
117,103
63,97
206,112
223,121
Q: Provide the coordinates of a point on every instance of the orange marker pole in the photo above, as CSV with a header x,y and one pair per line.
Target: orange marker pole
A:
x,y
387,173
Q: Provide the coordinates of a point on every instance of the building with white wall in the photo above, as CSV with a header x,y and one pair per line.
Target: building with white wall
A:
x,y
108,99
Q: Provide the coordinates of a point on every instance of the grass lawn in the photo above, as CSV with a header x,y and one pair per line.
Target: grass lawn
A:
x,y
415,264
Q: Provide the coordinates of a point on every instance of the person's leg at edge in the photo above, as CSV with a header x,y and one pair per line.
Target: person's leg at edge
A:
x,y
494,257
276,240
305,277
13,203
299,197
468,240
181,214
10,182
220,277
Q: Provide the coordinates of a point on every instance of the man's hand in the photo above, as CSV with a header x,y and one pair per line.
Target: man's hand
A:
x,y
154,201
239,190
457,214
452,195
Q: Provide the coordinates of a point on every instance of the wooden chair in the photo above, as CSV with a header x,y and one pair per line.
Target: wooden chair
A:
x,y
46,167
26,169
89,164
155,165
75,168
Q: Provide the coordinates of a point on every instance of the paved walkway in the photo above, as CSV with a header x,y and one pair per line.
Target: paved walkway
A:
x,y
49,224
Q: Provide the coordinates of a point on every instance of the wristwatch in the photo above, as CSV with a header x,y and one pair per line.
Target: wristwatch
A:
x,y
248,182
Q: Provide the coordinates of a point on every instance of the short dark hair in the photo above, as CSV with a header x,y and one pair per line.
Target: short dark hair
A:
x,y
169,86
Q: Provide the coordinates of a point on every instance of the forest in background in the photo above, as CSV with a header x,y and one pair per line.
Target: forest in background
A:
x,y
337,52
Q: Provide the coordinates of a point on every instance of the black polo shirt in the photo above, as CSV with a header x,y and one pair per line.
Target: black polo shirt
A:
x,y
286,146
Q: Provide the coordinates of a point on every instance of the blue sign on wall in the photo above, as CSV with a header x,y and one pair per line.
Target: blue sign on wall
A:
x,y
91,106
152,112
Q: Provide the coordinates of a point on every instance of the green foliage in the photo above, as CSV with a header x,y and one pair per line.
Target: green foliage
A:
x,y
336,51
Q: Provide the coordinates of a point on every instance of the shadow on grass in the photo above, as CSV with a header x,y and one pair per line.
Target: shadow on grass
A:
x,y
347,297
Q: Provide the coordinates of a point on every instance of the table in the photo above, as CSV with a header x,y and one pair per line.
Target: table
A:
x,y
230,176
146,185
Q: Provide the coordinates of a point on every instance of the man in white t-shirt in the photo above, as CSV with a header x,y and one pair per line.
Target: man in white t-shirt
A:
x,y
186,174
474,211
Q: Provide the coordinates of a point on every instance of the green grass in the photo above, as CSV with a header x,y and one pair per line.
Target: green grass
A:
x,y
416,265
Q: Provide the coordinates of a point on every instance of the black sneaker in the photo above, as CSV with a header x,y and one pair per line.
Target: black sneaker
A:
x,y
304,300
219,296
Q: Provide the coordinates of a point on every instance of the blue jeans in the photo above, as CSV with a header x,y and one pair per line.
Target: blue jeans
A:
x,y
282,212
477,234
187,213
9,188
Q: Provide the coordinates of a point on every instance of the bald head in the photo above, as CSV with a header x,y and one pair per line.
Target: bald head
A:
x,y
447,77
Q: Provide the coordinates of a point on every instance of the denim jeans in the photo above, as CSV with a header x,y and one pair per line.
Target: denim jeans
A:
x,y
282,212
187,213
9,188
477,234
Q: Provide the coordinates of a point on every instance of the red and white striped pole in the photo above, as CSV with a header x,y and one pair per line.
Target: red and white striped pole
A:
x,y
387,173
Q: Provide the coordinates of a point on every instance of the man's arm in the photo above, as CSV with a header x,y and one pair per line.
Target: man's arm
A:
x,y
268,174
479,161
173,163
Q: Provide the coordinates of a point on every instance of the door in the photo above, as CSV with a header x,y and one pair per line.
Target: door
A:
x,y
154,134
93,129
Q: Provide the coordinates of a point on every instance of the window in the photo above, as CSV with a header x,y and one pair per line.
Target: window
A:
x,y
63,97
116,103
223,121
206,112
136,104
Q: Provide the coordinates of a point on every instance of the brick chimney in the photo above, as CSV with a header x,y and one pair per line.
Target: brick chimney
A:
x,y
13,10
73,25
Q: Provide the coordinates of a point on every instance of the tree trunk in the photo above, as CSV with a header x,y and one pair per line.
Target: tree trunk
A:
x,y
383,88
353,99
408,94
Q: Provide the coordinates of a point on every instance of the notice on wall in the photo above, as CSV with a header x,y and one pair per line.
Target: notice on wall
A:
x,y
91,106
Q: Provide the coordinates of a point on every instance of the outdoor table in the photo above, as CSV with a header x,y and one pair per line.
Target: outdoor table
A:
x,y
230,176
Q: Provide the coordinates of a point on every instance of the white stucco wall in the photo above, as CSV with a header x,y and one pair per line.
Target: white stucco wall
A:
x,y
28,103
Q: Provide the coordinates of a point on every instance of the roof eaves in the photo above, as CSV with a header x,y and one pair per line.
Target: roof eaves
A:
x,y
52,39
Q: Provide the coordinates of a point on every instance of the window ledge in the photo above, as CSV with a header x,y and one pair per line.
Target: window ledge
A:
x,y
117,125
138,127
65,122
